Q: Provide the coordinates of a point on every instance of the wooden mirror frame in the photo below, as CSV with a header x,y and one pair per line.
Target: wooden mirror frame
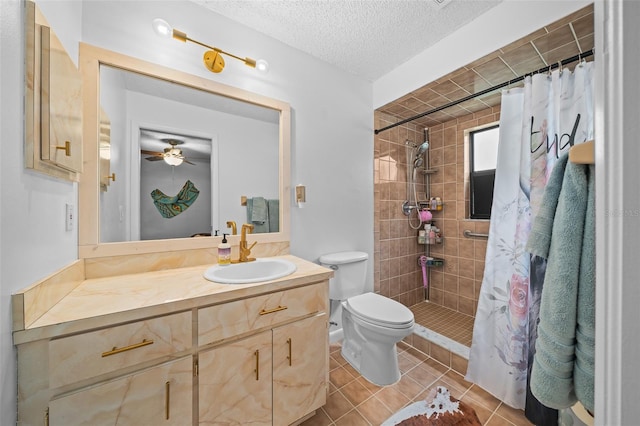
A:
x,y
89,245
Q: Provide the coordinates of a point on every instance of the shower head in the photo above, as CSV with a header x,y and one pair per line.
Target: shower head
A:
x,y
422,148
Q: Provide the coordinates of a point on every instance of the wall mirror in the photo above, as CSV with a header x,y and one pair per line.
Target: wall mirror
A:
x,y
170,158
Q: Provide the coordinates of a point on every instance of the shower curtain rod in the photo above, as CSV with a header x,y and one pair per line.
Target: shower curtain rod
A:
x,y
490,89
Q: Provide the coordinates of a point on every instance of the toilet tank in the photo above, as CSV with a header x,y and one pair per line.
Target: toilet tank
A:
x,y
350,273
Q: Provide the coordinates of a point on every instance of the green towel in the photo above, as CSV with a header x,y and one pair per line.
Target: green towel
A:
x,y
564,233
172,206
259,211
274,215
259,227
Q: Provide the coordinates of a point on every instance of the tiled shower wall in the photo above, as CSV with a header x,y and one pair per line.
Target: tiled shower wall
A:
x,y
396,250
455,285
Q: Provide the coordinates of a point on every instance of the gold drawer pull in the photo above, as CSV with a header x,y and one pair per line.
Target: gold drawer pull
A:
x,y
66,148
289,342
116,350
167,392
257,354
270,311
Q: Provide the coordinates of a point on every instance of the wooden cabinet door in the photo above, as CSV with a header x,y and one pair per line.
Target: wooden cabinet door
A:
x,y
61,105
300,368
235,382
162,395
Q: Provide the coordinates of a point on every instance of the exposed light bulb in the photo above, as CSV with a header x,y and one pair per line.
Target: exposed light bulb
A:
x,y
262,66
173,161
162,27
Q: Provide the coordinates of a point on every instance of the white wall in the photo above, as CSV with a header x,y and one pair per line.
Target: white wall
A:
x,y
34,242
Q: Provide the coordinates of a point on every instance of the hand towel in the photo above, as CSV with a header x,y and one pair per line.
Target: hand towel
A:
x,y
259,211
258,227
563,233
274,215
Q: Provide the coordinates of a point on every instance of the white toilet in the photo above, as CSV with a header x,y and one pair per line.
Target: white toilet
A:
x,y
372,324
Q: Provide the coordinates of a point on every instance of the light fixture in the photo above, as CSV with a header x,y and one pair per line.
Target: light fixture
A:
x,y
212,58
173,156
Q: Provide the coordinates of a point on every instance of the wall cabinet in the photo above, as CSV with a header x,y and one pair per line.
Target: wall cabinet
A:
x,y
53,102
260,360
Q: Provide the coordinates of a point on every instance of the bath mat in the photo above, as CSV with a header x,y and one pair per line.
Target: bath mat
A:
x,y
438,409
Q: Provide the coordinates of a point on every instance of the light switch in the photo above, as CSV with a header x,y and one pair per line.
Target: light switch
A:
x,y
70,219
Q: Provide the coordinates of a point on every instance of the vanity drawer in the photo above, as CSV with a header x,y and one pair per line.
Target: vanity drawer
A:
x,y
219,322
87,355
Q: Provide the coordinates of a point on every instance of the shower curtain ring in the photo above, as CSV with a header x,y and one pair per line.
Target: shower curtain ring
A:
x,y
560,66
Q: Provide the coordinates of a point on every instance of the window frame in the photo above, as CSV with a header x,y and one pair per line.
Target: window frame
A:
x,y
479,174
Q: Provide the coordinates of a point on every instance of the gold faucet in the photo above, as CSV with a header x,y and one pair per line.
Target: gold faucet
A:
x,y
231,224
244,250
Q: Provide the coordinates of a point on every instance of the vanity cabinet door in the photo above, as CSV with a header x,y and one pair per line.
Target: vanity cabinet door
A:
x,y
161,395
235,382
300,368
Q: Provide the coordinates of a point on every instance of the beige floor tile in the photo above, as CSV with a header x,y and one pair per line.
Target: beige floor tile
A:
x,y
408,387
356,392
514,416
340,377
374,410
337,406
319,419
352,418
392,398
497,420
483,397
373,388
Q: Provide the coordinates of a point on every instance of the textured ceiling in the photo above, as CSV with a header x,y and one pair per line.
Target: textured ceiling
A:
x,y
565,38
368,38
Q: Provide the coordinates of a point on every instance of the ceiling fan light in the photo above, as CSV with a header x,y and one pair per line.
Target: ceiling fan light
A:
x,y
172,160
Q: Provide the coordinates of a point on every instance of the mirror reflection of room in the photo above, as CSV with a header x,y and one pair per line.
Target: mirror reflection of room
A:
x,y
228,149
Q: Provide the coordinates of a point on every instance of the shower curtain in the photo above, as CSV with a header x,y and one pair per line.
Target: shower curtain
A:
x,y
538,123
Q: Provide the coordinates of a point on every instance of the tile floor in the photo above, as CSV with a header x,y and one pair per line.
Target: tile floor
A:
x,y
452,324
353,401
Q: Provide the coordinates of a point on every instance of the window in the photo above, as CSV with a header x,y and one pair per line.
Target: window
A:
x,y
483,157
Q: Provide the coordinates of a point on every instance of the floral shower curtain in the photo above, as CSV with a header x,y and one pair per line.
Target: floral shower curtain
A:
x,y
538,123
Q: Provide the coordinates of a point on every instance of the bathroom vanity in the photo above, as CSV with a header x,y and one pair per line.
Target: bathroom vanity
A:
x,y
170,347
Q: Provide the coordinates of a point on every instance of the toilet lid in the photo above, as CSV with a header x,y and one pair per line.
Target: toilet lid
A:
x,y
380,310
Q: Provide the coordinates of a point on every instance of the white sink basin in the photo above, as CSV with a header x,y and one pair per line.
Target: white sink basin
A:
x,y
265,269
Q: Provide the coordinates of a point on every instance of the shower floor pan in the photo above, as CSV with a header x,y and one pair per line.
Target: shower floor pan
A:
x,y
444,321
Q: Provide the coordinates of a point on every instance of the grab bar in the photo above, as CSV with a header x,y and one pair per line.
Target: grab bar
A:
x,y
469,234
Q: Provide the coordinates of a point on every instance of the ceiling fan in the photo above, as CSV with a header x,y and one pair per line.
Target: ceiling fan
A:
x,y
172,156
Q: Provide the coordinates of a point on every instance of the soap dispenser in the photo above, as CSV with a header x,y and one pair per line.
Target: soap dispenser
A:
x,y
224,251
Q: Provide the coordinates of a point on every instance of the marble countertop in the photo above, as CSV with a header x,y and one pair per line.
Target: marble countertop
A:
x,y
101,302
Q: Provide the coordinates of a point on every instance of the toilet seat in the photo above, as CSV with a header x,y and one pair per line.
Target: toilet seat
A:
x,y
380,311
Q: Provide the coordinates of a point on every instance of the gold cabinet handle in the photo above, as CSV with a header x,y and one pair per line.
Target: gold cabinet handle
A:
x,y
289,342
270,311
116,350
257,370
112,176
167,392
66,147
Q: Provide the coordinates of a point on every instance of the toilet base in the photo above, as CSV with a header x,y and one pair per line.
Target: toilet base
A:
x,y
379,366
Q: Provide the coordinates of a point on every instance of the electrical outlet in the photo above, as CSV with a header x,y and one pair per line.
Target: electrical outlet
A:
x,y
70,219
